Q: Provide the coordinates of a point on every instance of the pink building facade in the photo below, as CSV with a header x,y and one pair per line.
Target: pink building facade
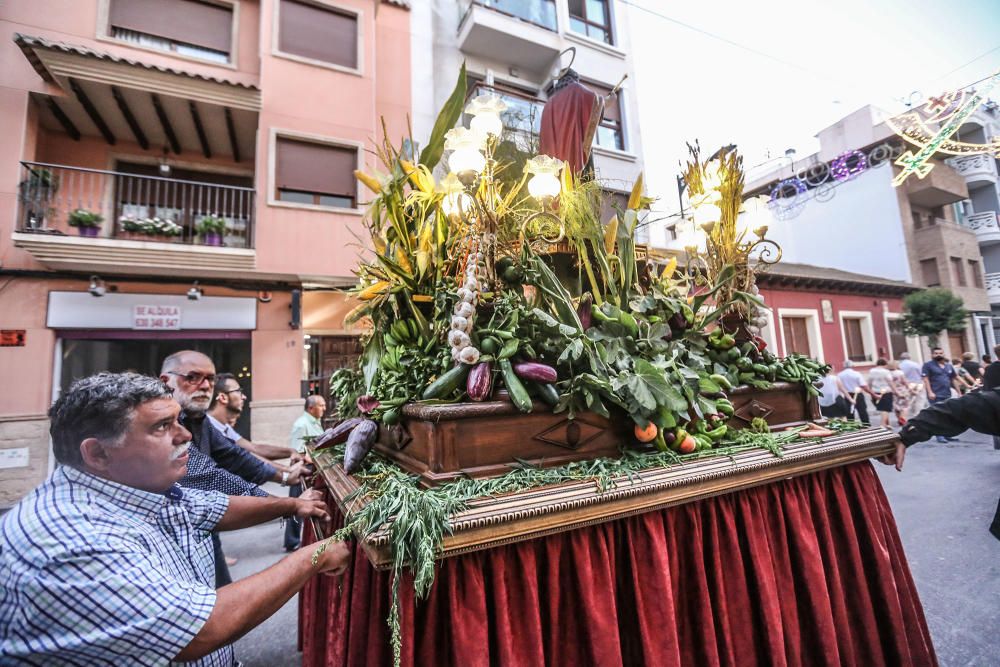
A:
x,y
232,125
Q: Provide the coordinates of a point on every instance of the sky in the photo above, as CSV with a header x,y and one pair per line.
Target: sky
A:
x,y
796,68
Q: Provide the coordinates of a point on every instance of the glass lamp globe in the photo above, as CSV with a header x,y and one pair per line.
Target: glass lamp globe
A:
x,y
466,160
544,183
485,110
455,204
707,213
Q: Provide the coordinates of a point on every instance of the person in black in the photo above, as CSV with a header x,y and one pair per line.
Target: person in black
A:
x,y
977,410
972,367
991,376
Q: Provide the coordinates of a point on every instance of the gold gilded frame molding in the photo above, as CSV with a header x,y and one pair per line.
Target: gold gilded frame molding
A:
x,y
494,521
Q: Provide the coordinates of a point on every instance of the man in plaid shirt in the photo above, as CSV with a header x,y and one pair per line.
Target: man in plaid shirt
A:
x,y
109,562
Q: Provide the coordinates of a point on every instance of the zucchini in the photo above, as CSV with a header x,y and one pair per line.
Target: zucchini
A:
x,y
548,393
518,394
446,382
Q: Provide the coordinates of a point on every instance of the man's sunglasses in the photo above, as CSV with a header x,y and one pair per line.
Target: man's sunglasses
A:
x,y
194,378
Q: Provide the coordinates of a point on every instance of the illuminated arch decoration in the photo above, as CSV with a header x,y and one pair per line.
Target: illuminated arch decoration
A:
x,y
948,112
848,165
786,200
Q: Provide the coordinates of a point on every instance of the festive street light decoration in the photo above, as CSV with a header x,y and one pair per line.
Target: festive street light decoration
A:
x,y
950,112
485,110
848,165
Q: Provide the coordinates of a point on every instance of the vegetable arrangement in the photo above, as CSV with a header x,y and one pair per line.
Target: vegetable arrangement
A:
x,y
466,305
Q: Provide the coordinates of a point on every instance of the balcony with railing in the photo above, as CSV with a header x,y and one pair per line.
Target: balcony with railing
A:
x,y
993,288
985,226
520,33
92,219
975,169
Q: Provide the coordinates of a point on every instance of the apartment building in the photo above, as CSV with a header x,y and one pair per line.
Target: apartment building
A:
x,y
838,209
178,173
516,49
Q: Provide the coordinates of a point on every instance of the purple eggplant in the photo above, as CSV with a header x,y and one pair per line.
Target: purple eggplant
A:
x,y
359,443
532,370
480,381
337,434
583,310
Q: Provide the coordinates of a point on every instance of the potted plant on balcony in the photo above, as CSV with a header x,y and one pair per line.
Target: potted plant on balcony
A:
x,y
211,228
149,229
86,222
35,193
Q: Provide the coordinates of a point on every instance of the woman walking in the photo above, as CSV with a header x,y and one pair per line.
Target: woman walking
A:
x,y
901,392
880,382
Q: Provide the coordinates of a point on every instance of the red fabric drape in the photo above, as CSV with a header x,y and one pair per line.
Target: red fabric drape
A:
x,y
569,121
807,571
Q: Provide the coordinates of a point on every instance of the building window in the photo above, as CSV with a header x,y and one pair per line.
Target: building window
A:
x,y
918,219
958,271
591,18
929,271
859,336
976,273
610,133
796,331
317,174
897,338
187,27
854,340
318,33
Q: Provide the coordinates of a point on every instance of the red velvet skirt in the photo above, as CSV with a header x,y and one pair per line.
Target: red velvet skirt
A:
x,y
808,571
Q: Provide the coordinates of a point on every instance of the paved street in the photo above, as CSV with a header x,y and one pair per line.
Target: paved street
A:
x,y
943,501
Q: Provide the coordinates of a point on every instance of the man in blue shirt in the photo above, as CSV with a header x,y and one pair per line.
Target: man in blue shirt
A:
x,y
109,561
939,377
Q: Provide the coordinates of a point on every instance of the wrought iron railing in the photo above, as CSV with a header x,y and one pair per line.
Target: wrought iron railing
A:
x,y
51,198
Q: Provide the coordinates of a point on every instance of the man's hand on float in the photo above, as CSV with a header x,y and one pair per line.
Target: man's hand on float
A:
x,y
896,458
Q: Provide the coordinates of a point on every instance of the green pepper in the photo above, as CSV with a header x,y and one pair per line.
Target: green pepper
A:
x,y
659,441
718,432
626,320
721,380
725,407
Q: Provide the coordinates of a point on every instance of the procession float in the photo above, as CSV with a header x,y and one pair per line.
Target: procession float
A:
x,y
528,370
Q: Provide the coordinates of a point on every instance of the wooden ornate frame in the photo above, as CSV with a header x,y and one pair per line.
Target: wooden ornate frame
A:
x,y
493,521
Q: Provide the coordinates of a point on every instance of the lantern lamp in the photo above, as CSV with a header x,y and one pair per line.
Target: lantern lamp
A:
x,y
544,184
467,159
485,110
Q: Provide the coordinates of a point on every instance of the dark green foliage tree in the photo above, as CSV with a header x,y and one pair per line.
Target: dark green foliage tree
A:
x,y
931,311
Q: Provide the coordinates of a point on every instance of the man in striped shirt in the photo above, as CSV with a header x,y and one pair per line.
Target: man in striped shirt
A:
x,y
109,561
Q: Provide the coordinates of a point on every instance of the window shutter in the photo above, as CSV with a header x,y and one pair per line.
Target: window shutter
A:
x,y
796,335
855,341
612,107
185,21
312,167
318,33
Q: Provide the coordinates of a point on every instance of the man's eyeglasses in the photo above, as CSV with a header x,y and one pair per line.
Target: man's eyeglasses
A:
x,y
194,377
238,390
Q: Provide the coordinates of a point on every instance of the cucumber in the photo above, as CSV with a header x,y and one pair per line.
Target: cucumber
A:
x,y
518,394
547,393
447,382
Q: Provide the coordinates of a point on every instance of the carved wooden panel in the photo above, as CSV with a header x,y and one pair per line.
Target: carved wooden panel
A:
x,y
489,522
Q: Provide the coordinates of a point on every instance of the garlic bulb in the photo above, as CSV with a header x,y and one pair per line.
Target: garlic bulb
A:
x,y
464,309
472,284
468,355
458,339
467,295
454,353
459,323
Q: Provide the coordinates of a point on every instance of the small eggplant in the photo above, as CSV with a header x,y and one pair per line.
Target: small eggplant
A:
x,y
337,434
532,370
583,309
359,443
480,381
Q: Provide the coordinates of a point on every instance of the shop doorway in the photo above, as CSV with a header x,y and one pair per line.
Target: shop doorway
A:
x,y
84,353
325,355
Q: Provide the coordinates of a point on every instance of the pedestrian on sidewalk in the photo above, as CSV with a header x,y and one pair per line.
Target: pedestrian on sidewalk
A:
x,y
880,382
306,426
912,372
965,381
856,387
939,379
972,367
833,399
901,393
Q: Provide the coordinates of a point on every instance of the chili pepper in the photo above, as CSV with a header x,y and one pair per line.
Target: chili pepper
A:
x,y
718,432
721,380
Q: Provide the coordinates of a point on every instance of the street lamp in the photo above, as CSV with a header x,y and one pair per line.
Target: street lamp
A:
x,y
467,160
485,110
